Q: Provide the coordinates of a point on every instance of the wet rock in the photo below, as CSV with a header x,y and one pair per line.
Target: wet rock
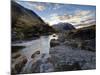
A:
x,y
19,64
36,66
46,65
34,54
16,55
54,43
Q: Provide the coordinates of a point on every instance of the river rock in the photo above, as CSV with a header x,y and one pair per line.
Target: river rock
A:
x,y
34,54
54,43
19,64
36,66
16,55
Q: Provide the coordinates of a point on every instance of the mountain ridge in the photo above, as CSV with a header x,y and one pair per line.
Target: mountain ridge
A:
x,y
26,23
63,26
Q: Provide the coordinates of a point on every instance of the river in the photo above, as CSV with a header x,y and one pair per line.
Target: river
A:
x,y
43,45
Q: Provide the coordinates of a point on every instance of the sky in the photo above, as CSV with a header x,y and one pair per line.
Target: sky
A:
x,y
53,13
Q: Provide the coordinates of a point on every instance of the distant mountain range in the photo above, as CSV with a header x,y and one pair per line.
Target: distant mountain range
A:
x,y
63,26
26,23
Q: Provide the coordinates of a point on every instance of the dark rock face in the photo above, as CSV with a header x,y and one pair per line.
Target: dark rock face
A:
x,y
63,26
85,38
54,43
85,33
26,24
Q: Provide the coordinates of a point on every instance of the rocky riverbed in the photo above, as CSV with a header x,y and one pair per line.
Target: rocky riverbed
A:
x,y
62,58
66,58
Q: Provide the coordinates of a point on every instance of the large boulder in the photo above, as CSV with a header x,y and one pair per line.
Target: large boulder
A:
x,y
54,43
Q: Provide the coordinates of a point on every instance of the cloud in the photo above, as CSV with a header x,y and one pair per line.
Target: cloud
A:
x,y
80,13
64,17
78,17
57,6
33,5
56,18
88,17
40,7
60,17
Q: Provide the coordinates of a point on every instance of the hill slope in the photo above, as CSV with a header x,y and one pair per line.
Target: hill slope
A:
x,y
84,38
26,23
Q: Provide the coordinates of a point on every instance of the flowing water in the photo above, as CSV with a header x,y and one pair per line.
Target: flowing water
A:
x,y
43,45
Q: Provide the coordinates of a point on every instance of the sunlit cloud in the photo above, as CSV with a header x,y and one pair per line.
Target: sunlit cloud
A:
x,y
33,5
57,6
37,6
79,17
40,7
80,13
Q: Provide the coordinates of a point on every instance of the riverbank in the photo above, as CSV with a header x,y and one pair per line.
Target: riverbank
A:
x,y
74,50
66,58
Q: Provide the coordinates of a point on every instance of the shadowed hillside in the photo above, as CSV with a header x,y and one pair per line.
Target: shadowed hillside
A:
x,y
83,38
84,33
27,24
